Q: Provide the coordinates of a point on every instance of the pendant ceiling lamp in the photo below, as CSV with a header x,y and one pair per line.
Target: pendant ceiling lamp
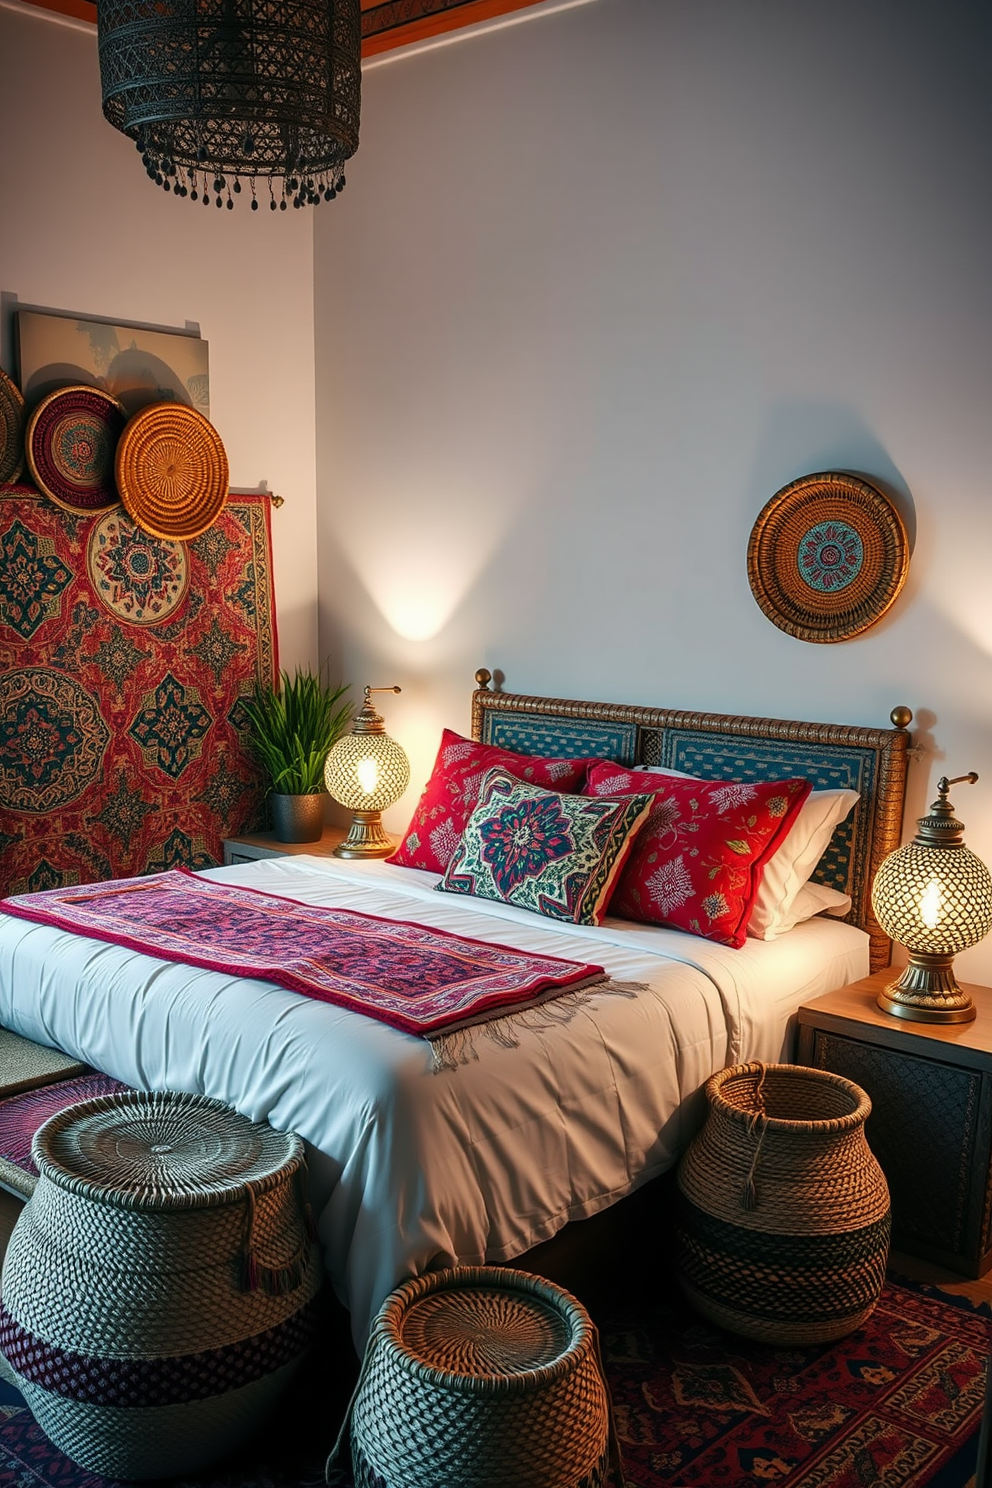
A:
x,y
221,96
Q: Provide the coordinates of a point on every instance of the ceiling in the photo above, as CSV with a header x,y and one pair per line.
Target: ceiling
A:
x,y
385,23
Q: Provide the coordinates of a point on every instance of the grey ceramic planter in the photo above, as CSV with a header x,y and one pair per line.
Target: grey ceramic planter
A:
x,y
298,818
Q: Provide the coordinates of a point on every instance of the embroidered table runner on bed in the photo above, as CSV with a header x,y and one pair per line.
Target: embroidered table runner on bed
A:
x,y
415,978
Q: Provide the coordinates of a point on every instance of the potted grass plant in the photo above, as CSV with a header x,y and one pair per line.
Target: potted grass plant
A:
x,y
293,725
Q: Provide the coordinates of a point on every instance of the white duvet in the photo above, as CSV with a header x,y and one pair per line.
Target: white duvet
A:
x,y
411,1167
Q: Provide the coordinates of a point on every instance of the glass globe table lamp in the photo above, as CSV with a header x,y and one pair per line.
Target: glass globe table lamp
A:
x,y
935,897
367,771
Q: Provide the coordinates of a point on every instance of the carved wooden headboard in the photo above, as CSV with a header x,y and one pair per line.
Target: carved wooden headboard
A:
x,y
717,746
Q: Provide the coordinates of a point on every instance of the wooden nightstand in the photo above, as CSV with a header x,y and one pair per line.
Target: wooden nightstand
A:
x,y
931,1123
267,845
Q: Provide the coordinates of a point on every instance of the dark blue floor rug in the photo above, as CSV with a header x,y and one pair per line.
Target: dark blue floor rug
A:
x,y
896,1404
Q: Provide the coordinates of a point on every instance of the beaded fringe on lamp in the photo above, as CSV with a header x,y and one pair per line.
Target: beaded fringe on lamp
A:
x,y
213,93
935,897
367,771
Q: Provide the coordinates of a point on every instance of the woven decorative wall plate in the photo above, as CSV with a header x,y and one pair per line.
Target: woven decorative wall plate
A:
x,y
70,442
827,557
11,430
172,471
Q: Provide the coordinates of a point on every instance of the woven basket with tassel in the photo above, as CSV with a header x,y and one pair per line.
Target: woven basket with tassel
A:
x,y
160,1284
783,1226
481,1377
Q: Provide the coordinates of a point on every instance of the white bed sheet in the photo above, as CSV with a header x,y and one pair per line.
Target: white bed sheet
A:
x,y
411,1168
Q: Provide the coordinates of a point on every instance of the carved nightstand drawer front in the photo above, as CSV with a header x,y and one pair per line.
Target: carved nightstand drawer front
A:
x,y
929,1131
931,1124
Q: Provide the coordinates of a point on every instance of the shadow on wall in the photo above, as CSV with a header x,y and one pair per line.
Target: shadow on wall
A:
x,y
950,725
806,438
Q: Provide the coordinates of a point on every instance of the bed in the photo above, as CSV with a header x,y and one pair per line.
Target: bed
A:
x,y
546,1117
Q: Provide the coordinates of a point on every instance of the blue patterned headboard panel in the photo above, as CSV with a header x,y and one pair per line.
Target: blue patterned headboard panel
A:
x,y
561,738
717,747
726,757
710,756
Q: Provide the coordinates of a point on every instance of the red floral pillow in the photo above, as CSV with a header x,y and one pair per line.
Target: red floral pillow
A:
x,y
451,794
698,859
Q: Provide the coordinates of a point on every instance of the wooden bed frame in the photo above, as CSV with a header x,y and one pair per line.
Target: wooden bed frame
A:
x,y
872,761
716,746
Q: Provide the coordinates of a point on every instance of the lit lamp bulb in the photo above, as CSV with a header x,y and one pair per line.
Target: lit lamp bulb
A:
x,y
935,897
367,771
930,905
368,775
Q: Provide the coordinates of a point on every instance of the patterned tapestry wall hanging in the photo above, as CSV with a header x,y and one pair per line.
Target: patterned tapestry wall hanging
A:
x,y
827,557
123,662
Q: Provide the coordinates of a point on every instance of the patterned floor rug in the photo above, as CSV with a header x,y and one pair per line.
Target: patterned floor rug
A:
x,y
23,1113
896,1404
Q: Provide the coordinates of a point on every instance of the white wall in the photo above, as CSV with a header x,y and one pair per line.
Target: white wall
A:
x,y
82,229
600,285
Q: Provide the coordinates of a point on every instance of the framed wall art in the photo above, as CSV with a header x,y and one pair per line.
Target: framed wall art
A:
x,y
136,366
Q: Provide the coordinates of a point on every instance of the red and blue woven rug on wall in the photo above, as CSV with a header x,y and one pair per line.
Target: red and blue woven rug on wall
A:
x,y
124,660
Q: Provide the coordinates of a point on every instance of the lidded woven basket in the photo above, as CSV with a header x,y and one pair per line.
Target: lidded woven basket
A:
x,y
159,1287
481,1377
784,1220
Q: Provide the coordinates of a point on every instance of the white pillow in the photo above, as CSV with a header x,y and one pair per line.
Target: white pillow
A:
x,y
788,870
663,770
812,899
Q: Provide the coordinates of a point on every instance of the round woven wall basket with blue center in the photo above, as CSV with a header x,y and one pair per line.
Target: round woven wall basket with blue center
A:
x,y
827,557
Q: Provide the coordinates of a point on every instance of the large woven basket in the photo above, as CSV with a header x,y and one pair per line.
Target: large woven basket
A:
x,y
783,1228
159,1286
481,1378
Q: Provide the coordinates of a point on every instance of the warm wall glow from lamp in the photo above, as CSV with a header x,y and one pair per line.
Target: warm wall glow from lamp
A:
x,y
367,771
935,897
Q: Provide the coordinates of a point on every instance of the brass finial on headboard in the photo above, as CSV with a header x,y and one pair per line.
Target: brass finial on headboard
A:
x,y
484,677
901,716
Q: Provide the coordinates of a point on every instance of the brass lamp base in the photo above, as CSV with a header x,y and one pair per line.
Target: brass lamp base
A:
x,y
927,992
366,837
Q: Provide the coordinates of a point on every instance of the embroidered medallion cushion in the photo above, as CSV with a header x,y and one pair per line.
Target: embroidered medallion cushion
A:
x,y
556,855
453,790
785,896
698,860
